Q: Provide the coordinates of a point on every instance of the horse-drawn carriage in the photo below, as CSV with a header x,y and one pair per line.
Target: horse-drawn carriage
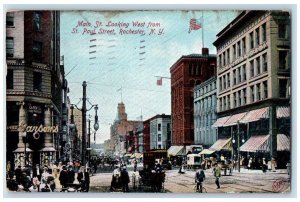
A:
x,y
152,177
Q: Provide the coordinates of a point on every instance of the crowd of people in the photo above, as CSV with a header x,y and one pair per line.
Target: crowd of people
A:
x,y
42,178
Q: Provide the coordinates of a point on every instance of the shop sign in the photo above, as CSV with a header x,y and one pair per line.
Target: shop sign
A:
x,y
34,109
37,129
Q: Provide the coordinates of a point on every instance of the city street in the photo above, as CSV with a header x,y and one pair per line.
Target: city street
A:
x,y
253,181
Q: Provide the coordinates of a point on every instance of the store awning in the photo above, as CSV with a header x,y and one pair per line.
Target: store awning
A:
x,y
234,119
256,143
221,144
255,115
206,151
283,143
136,155
176,150
220,121
283,112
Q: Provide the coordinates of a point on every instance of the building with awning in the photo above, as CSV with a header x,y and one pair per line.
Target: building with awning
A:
x,y
176,151
220,121
234,119
255,115
222,144
136,155
261,143
206,152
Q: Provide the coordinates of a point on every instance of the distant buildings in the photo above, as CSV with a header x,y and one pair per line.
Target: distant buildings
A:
x,y
205,112
36,88
160,132
187,72
253,82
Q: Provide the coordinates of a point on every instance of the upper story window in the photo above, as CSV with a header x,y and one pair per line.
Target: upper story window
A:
x,y
257,37
258,65
10,79
244,73
283,59
37,21
265,85
234,51
220,59
159,138
283,88
9,47
228,101
234,77
159,127
10,19
252,68
258,91
228,56
243,45
37,81
282,31
251,40
244,96
239,51
252,94
228,80
264,32
37,51
265,62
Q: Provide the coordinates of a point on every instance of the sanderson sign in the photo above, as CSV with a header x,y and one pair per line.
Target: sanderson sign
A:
x,y
40,129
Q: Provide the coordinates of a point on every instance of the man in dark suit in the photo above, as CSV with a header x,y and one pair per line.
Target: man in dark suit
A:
x,y
83,178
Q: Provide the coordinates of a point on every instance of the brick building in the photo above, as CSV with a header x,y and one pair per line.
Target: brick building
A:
x,y
187,72
35,87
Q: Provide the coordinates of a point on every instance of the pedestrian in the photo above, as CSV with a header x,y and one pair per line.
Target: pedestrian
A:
x,y
217,174
273,164
18,173
63,177
199,178
37,172
8,170
250,163
181,169
264,165
125,179
71,175
83,178
135,165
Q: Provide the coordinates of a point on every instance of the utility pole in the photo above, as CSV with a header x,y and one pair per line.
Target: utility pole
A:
x,y
83,110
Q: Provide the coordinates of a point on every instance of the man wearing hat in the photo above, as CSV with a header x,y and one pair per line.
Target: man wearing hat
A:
x,y
125,179
63,176
83,178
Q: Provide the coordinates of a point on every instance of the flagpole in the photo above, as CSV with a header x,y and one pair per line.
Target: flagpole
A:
x,y
202,31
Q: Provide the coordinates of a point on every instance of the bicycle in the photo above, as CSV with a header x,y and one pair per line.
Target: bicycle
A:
x,y
199,190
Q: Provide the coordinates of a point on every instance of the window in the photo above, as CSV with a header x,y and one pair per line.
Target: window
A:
x,y
224,80
282,31
240,75
197,69
283,54
251,40
244,96
234,77
223,56
190,69
265,62
258,91
10,19
244,73
37,81
252,68
159,146
240,97
244,45
264,32
252,93
258,65
159,127
228,80
265,85
220,83
9,47
228,100
228,56
239,49
224,101
37,51
220,103
219,62
257,42
234,100
234,51
283,88
159,138
10,79
37,21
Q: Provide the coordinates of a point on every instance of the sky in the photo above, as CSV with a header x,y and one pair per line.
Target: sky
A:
x,y
126,50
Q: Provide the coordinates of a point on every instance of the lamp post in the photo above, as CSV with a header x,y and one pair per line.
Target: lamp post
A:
x,y
84,110
238,145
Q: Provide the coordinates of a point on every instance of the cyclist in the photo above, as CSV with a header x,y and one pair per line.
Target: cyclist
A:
x,y
199,178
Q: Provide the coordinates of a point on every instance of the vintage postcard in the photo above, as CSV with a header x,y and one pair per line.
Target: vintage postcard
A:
x,y
148,101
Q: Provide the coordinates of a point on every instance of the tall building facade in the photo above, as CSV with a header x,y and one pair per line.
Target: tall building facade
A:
x,y
160,132
34,87
205,112
146,135
187,72
253,78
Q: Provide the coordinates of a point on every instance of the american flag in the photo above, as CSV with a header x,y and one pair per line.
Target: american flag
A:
x,y
195,24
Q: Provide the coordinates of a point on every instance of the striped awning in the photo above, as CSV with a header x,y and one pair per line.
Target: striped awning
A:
x,y
221,144
255,115
283,112
256,143
283,143
176,150
220,121
233,120
206,151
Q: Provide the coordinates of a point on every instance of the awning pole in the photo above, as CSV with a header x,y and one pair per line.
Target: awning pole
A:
x,y
238,141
